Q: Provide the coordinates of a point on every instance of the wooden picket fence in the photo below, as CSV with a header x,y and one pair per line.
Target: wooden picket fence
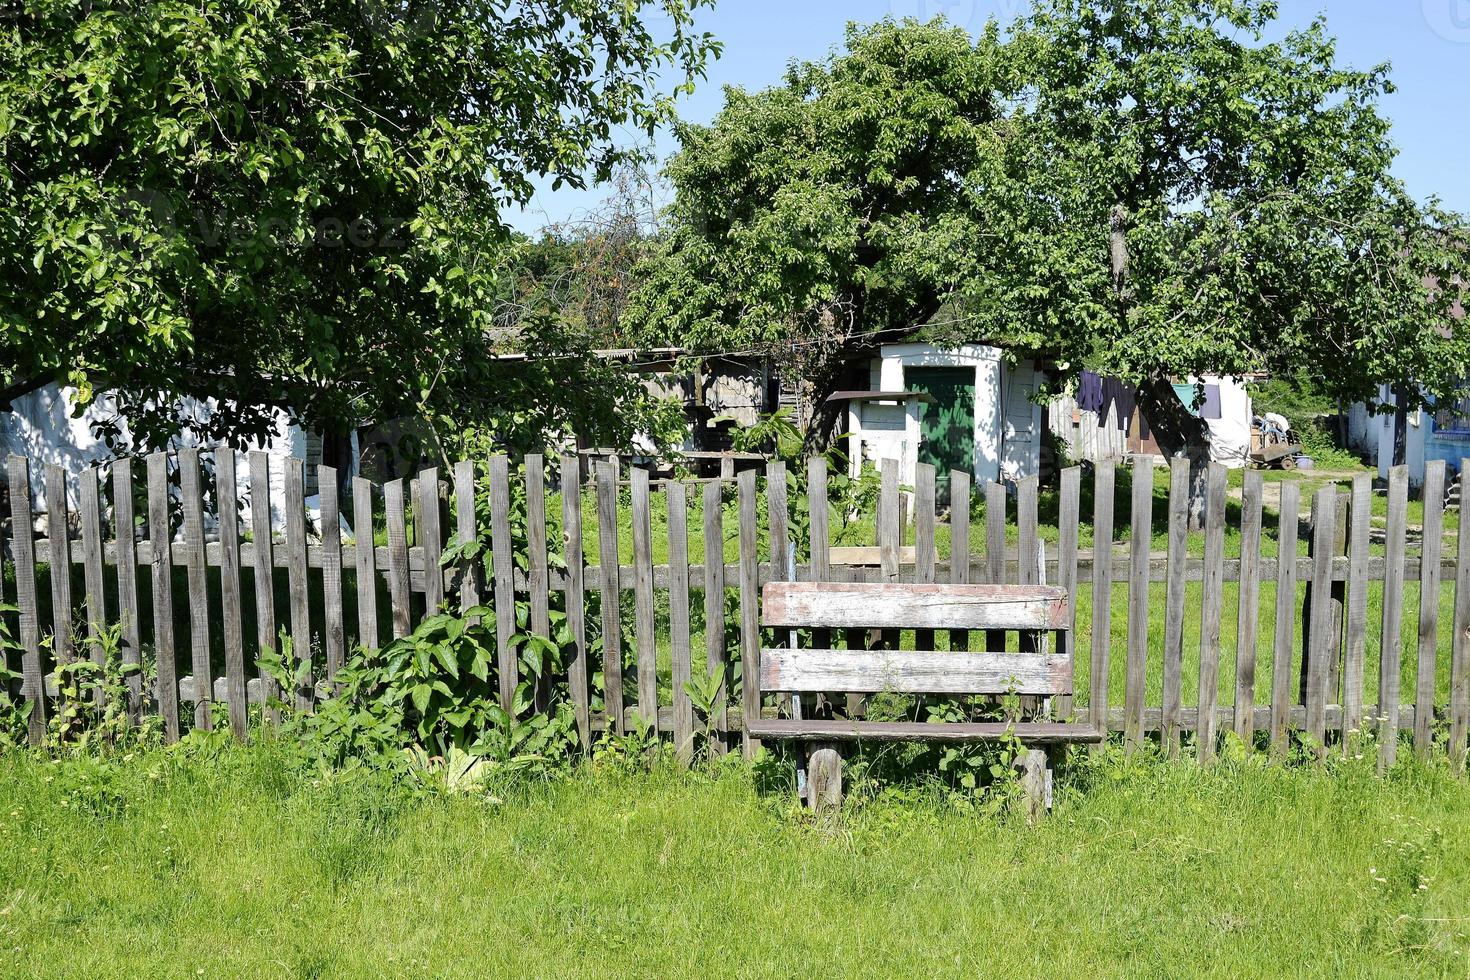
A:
x,y
1321,695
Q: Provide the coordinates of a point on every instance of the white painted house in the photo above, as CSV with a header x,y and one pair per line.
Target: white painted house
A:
x,y
962,408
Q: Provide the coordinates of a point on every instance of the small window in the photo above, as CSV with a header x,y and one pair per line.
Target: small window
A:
x,y
1452,418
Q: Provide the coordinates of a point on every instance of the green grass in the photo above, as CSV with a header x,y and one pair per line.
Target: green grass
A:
x,y
173,866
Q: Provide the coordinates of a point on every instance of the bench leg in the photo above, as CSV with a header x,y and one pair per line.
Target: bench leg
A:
x,y
824,778
1035,783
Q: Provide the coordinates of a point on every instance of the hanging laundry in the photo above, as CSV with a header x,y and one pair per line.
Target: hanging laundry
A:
x,y
1090,392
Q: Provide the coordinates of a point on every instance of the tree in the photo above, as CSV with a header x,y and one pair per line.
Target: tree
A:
x,y
835,212
298,204
1147,188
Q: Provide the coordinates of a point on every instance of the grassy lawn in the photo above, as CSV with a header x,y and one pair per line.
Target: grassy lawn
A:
x,y
225,863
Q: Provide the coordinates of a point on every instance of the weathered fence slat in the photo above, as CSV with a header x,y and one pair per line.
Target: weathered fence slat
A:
x,y
90,504
398,578
60,556
1460,642
1141,536
1283,641
612,629
23,538
334,630
265,594
1104,479
643,615
571,520
678,510
467,528
1249,609
1391,640
925,553
889,530
367,561
429,534
750,643
959,543
995,550
538,573
714,603
504,574
296,582
163,602
779,539
127,583
1212,606
1320,615
1174,596
819,524
1429,582
226,494
1067,532
1356,652
198,578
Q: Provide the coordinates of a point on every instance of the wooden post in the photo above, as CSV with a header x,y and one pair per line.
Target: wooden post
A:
x,y
995,552
714,606
678,507
890,525
750,639
824,778
1391,639
226,495
1069,520
60,556
1102,596
160,539
399,583
23,537
1429,582
127,582
1324,522
428,532
1141,534
367,563
571,519
612,627
538,573
925,552
1355,651
334,630
1281,687
1248,614
643,615
1034,779
508,671
198,587
959,544
1460,652
1212,606
1176,590
96,599
466,524
296,579
264,568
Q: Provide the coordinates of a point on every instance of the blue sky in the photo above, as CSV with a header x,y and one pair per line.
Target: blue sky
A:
x,y
1426,41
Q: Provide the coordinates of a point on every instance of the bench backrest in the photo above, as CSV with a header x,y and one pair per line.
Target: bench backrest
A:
x,y
823,606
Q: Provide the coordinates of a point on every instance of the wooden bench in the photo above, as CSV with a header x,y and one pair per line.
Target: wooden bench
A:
x,y
1033,611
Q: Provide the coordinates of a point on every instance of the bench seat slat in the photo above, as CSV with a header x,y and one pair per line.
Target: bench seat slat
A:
x,y
1029,733
899,606
914,672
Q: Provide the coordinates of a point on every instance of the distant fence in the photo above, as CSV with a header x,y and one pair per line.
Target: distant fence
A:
x,y
331,592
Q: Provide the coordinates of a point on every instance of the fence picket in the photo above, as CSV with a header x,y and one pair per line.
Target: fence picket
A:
x,y
261,536
1174,597
198,578
296,582
678,509
1460,642
226,495
1249,611
1390,657
1320,614
1141,517
90,505
995,551
60,557
714,604
334,630
428,532
163,601
959,544
1429,582
399,581
1283,644
1069,519
1212,606
503,567
1355,654
128,609
537,569
925,553
750,638
1104,479
23,540
819,524
571,519
367,563
890,530
612,626
643,616
467,528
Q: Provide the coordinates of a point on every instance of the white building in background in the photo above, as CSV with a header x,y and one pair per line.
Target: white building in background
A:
x,y
44,426
961,408
1099,419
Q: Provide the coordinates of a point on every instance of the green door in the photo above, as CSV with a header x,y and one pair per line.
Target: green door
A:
x,y
947,425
